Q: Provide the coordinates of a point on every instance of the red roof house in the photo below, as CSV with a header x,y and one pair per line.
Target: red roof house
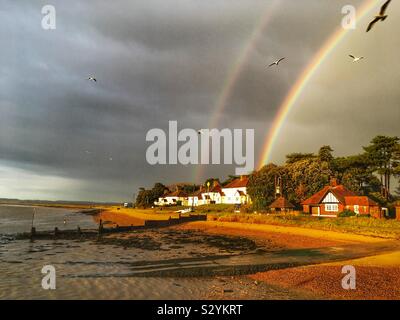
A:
x,y
334,199
281,204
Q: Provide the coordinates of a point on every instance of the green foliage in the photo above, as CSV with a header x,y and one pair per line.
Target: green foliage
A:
x,y
294,157
356,173
216,208
189,188
347,213
325,154
146,198
384,157
301,179
305,178
261,187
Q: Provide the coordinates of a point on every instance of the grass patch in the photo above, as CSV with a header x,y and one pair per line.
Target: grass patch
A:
x,y
357,225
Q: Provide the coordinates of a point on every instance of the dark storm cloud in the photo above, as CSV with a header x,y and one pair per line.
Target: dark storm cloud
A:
x,y
155,61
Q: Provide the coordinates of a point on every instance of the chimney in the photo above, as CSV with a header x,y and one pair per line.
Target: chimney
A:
x,y
334,182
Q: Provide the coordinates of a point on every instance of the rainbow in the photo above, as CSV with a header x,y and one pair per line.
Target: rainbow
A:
x,y
301,83
236,70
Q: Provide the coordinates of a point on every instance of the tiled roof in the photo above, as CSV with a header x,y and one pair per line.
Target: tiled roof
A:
x,y
344,196
360,200
340,192
196,193
177,193
238,183
281,202
214,189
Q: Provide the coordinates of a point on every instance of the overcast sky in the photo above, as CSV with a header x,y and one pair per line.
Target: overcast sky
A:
x,y
162,60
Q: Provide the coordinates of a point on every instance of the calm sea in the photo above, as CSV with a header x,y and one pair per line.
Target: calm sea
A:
x,y
92,270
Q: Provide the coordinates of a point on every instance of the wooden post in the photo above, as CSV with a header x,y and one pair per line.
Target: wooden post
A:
x,y
55,231
100,227
33,232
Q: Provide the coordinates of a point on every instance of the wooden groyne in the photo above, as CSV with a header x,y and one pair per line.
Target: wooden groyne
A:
x,y
79,233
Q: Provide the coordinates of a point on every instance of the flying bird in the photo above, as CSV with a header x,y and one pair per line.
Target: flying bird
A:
x,y
276,63
91,78
380,17
355,59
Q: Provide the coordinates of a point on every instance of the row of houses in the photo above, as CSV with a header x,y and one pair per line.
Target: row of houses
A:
x,y
233,193
332,200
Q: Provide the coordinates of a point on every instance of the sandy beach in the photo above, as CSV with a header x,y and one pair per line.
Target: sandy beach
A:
x,y
377,273
197,260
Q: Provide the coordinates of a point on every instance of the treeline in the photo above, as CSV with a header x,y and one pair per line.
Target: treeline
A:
x,y
304,174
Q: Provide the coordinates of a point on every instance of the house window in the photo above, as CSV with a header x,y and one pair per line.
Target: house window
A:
x,y
357,209
331,207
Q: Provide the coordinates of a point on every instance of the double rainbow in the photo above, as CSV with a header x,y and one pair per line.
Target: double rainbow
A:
x,y
296,90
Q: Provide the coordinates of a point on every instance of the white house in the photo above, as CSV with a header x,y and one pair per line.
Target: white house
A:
x,y
172,198
194,199
213,195
235,192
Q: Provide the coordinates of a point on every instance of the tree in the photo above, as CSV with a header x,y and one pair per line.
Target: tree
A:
x,y
356,173
383,156
146,198
294,157
261,186
304,178
189,188
325,154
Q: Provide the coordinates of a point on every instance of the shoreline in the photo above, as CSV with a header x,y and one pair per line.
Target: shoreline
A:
x,y
302,261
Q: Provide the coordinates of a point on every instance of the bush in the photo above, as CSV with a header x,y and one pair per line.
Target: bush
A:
x,y
364,216
347,213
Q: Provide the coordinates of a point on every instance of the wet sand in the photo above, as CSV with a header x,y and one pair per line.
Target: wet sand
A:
x,y
200,260
377,277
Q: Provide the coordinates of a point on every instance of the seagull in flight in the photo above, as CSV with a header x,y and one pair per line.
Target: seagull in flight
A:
x,y
91,78
276,63
355,59
380,17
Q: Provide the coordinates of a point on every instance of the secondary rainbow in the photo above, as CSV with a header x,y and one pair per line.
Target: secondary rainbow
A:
x,y
236,70
303,80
